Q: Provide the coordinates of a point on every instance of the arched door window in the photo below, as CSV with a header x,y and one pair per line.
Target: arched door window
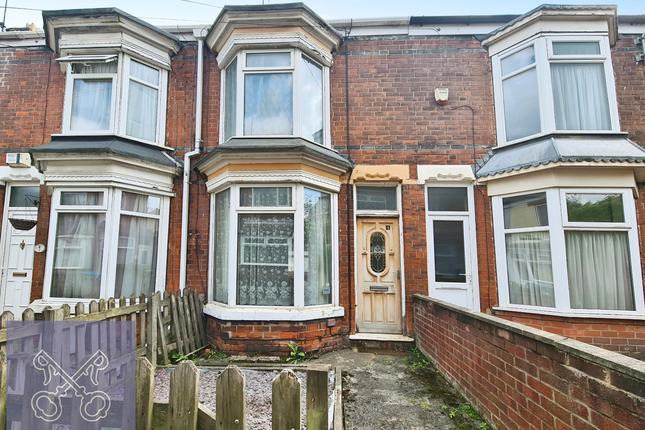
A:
x,y
377,253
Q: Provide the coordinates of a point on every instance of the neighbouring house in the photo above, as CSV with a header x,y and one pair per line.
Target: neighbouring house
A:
x,y
310,176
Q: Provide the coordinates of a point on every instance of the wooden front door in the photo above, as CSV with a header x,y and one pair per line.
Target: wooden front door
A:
x,y
378,275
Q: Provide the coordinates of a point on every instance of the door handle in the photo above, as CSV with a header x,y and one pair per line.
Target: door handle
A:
x,y
398,274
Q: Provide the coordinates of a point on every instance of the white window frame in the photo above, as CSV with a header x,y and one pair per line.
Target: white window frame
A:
x,y
298,311
558,224
296,70
119,104
544,57
111,207
378,213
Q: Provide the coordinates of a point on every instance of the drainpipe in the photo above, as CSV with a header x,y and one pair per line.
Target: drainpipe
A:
x,y
187,156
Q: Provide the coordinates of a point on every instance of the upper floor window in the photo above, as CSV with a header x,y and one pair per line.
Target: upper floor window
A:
x,y
114,94
275,93
552,84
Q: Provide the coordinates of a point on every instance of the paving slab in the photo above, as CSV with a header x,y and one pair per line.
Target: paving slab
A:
x,y
398,391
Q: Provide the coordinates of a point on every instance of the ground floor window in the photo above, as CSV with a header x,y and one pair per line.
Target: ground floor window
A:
x,y
571,250
106,243
273,246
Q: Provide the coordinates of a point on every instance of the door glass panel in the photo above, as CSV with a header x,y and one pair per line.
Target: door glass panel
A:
x,y
449,251
377,253
24,197
447,199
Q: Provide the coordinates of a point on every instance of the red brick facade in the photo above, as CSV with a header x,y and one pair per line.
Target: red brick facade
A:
x,y
393,119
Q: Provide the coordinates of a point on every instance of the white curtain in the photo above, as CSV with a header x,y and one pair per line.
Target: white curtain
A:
x,y
530,274
91,103
142,112
317,248
599,269
222,216
580,97
78,256
136,269
268,104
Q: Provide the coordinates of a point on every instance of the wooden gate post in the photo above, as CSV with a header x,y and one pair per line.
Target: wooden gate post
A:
x,y
317,400
285,405
230,398
183,402
145,393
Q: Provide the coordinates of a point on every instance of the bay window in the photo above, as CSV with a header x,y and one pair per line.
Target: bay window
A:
x,y
114,94
555,84
273,246
569,250
106,243
275,93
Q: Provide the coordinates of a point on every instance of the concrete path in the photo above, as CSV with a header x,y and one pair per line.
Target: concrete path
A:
x,y
386,391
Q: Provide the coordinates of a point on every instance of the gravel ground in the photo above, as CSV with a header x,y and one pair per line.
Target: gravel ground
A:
x,y
258,393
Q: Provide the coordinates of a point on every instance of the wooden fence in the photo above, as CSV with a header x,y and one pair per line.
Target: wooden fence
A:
x,y
186,413
172,324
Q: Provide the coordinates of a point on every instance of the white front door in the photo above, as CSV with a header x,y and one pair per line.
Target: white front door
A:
x,y
18,258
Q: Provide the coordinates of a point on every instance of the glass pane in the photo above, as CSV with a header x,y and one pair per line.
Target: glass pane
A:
x,y
311,104
580,97
265,197
518,60
265,260
24,197
521,105
595,208
230,100
377,253
143,104
268,104
599,270
143,72
449,251
526,211
447,199
136,259
222,217
318,248
140,203
93,68
78,256
81,198
530,274
376,198
91,102
576,48
275,59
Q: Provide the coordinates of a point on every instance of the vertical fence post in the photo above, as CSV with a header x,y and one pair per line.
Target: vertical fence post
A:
x,y
317,400
183,403
145,393
285,405
3,391
153,308
230,400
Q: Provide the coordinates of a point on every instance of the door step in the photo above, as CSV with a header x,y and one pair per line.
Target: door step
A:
x,y
374,342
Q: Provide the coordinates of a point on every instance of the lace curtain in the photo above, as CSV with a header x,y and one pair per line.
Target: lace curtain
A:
x,y
222,215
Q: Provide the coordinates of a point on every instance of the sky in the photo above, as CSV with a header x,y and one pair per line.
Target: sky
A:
x,y
193,12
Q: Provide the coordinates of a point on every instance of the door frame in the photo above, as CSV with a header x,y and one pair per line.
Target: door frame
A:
x,y
398,213
472,239
5,229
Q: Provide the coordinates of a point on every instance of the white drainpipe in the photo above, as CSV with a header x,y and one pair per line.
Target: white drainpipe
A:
x,y
187,157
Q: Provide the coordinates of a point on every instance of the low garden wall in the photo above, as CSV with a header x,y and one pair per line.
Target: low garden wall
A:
x,y
521,377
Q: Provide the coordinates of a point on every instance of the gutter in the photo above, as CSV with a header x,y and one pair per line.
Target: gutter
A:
x,y
187,156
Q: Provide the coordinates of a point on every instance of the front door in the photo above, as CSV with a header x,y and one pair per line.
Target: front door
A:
x,y
378,275
18,252
450,259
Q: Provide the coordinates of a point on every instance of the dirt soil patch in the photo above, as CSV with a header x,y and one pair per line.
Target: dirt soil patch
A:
x,y
403,392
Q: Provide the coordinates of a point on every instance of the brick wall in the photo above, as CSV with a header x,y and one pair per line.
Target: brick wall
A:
x,y
265,337
519,377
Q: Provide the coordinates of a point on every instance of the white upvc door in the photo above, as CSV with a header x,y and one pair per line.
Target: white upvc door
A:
x,y
17,263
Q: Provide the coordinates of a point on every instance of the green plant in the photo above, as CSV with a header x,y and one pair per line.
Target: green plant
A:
x,y
444,407
451,415
483,427
295,355
418,360
468,410
216,355
177,357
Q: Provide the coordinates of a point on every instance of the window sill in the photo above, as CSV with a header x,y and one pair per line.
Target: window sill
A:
x,y
272,313
622,315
